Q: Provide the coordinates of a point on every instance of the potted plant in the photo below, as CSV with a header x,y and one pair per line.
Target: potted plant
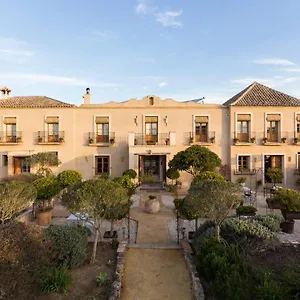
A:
x,y
247,211
191,140
253,139
135,141
40,139
276,175
112,140
47,188
91,141
212,139
167,141
296,140
283,139
265,139
289,201
236,140
61,139
241,181
19,139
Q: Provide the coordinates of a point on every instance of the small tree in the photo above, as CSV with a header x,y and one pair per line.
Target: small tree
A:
x,y
212,199
173,174
95,200
275,174
131,173
207,175
69,178
43,161
194,160
14,197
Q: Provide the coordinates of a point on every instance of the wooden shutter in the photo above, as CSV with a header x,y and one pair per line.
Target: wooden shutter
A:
x,y
273,117
202,119
151,119
243,117
102,120
10,120
52,120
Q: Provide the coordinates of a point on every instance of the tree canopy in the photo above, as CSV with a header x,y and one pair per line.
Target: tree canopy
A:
x,y
194,160
207,175
96,200
275,175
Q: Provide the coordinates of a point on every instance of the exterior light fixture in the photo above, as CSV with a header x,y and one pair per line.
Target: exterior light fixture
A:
x,y
166,120
136,121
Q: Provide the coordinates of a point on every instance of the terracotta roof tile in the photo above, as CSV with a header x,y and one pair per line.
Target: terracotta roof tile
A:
x,y
32,102
257,94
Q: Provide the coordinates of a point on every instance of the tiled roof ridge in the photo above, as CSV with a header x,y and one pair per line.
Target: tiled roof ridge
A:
x,y
246,91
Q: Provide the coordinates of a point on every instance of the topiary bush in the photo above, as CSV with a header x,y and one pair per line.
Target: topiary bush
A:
x,y
69,244
47,187
69,178
288,199
207,175
131,173
173,174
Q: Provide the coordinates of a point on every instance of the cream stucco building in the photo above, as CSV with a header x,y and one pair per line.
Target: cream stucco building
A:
x,y
254,130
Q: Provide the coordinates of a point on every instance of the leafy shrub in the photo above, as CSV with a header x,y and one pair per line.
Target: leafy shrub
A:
x,y
207,175
23,251
275,174
55,280
246,210
24,177
291,282
102,279
69,178
269,289
272,221
288,199
241,180
207,234
47,187
69,244
131,173
203,227
173,174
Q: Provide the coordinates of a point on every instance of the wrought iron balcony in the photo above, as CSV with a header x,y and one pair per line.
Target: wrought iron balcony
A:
x,y
101,139
244,138
7,138
152,139
201,138
45,137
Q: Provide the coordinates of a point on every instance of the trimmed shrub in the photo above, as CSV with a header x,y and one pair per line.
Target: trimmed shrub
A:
x,y
23,251
272,221
69,244
69,178
47,187
131,173
55,280
207,175
23,177
246,210
173,174
288,199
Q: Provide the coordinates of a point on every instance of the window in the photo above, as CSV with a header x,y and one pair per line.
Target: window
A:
x,y
101,165
102,129
4,160
53,129
10,129
201,129
272,131
243,163
25,168
151,129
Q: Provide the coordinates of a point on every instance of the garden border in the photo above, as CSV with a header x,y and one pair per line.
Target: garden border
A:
x,y
196,283
116,286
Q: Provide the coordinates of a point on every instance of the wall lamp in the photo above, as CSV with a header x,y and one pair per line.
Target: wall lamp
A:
x,y
166,120
136,121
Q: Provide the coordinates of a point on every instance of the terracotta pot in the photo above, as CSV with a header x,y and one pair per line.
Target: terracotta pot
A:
x,y
44,217
288,226
290,215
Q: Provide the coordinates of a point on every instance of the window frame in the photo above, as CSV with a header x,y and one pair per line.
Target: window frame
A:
x,y
249,162
95,163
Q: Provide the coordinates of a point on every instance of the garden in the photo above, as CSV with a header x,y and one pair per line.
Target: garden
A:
x,y
60,261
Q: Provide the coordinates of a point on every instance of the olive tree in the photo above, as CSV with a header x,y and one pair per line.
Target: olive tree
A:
x,y
275,174
194,160
14,197
212,199
43,161
95,200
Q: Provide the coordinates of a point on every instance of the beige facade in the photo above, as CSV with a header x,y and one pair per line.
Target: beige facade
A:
x,y
145,134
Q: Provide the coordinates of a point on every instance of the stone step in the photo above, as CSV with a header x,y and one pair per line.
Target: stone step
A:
x,y
154,246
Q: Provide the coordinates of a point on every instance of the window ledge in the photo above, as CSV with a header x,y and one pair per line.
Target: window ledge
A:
x,y
50,143
244,144
10,143
202,143
101,144
274,143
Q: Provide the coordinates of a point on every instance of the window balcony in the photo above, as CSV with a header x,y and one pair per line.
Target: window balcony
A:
x,y
244,172
244,139
276,139
11,139
48,138
101,140
152,139
207,138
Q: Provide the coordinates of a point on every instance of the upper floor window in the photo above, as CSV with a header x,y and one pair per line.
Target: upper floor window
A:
x,y
102,129
10,129
52,129
201,129
273,125
243,127
298,126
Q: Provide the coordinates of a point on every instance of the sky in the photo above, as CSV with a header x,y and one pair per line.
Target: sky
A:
x,y
123,49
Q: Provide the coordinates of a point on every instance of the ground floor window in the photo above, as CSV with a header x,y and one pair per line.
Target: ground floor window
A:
x,y
4,160
20,165
243,163
102,165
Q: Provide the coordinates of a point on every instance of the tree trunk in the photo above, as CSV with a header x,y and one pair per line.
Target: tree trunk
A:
x,y
93,258
218,231
111,228
196,224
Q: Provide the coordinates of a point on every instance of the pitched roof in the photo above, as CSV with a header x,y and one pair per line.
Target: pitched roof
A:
x,y
257,94
32,102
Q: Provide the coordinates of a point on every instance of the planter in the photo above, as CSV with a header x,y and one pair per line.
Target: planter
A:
x,y
167,142
272,205
290,215
288,226
107,235
43,217
152,206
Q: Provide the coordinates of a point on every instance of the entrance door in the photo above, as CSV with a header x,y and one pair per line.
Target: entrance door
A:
x,y
20,166
151,165
272,161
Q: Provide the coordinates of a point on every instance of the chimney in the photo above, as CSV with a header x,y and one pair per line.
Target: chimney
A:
x,y
5,92
87,96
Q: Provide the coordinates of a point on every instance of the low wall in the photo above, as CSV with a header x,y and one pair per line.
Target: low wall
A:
x,y
26,216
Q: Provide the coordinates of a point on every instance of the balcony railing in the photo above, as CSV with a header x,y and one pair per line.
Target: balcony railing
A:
x,y
15,138
244,138
101,139
45,137
281,137
245,172
152,139
194,138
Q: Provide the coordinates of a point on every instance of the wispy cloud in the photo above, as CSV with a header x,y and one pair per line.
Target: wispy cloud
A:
x,y
274,61
163,84
271,82
15,51
52,79
169,18
292,70
165,18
